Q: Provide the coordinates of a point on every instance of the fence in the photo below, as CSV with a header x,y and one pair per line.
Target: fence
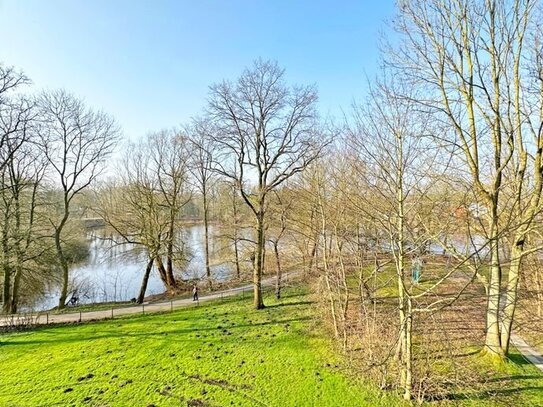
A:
x,y
29,320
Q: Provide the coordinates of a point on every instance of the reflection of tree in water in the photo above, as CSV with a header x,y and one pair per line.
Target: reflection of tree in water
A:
x,y
113,270
224,252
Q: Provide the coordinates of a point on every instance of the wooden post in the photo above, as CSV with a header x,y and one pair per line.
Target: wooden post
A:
x,y
171,305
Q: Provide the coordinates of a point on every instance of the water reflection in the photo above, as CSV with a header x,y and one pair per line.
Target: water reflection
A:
x,y
113,271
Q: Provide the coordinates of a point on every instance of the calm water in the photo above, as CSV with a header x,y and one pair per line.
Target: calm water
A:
x,y
114,272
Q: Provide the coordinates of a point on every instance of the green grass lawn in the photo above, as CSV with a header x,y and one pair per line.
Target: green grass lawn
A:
x,y
218,354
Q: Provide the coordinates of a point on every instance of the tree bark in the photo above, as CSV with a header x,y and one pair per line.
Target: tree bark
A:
x,y
408,386
63,263
14,300
206,237
162,272
19,256
511,295
169,251
279,274
144,281
493,340
6,289
259,263
6,265
236,254
313,256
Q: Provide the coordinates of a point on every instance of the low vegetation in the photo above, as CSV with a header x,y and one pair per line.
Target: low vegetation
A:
x,y
221,353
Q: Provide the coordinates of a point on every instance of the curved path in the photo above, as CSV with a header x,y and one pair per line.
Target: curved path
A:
x,y
48,318
526,350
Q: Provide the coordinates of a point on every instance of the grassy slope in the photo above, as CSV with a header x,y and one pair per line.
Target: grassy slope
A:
x,y
223,353
220,354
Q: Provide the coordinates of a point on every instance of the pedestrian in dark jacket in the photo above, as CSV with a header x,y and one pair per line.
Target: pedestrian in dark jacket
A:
x,y
194,292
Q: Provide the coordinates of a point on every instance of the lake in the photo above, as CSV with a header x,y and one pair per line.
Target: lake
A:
x,y
113,272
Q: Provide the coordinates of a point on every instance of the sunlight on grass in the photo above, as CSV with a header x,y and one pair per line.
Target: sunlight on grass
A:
x,y
223,353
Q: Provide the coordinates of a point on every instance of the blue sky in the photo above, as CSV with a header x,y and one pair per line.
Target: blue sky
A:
x,y
149,63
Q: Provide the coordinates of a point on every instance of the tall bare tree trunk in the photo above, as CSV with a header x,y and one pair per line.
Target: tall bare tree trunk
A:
x,y
329,288
510,299
206,238
6,265
145,280
64,269
313,257
236,243
259,262
170,278
170,246
14,300
408,356
236,254
164,276
64,274
403,352
405,311
493,340
279,274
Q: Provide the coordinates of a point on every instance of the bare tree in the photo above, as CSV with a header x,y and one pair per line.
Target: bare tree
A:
x,y
202,170
17,118
76,141
305,221
169,168
397,168
475,63
145,205
231,212
16,113
125,207
280,209
266,133
21,221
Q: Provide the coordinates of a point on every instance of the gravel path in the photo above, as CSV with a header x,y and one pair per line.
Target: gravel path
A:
x,y
47,318
526,350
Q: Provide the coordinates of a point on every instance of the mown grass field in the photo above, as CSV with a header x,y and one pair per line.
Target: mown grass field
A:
x,y
219,354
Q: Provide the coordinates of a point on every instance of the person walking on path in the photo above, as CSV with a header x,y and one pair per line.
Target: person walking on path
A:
x,y
194,292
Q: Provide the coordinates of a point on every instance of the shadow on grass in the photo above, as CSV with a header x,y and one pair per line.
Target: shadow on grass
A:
x,y
487,394
292,293
518,359
123,334
448,355
513,377
505,386
290,304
